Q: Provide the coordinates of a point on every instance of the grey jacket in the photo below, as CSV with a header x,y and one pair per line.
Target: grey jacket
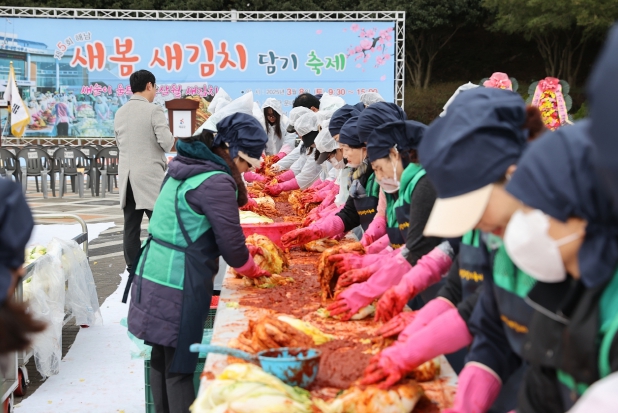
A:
x,y
143,136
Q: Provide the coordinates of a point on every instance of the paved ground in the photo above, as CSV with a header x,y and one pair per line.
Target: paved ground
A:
x,y
105,253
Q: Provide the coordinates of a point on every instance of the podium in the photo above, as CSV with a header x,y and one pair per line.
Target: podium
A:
x,y
181,114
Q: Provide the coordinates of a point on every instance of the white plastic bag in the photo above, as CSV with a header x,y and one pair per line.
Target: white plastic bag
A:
x,y
81,297
46,302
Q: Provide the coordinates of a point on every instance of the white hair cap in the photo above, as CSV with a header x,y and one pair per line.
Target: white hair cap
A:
x,y
243,104
324,142
297,112
460,89
330,102
306,123
370,98
220,97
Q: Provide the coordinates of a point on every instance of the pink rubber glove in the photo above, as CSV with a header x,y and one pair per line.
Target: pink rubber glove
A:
x,y
425,315
281,154
376,230
445,334
285,150
389,273
275,190
380,246
427,271
325,229
316,184
251,270
254,177
316,216
328,201
477,389
286,176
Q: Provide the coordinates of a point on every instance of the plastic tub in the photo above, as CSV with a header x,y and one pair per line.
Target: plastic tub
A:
x,y
273,231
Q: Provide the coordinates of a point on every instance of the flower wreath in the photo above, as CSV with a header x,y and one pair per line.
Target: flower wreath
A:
x,y
500,80
551,96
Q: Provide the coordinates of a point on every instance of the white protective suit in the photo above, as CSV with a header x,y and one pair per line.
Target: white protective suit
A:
x,y
460,89
324,142
287,142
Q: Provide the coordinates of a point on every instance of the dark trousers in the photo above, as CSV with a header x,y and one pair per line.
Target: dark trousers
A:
x,y
171,393
62,129
132,227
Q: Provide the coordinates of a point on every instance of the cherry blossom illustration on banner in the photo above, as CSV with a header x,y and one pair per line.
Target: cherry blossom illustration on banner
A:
x,y
372,47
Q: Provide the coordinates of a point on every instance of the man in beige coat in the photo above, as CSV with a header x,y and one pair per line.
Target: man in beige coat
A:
x,y
143,136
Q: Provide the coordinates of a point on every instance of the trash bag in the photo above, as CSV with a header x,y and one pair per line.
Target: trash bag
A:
x,y
82,301
46,302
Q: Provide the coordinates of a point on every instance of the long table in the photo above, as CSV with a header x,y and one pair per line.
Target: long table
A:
x,y
232,319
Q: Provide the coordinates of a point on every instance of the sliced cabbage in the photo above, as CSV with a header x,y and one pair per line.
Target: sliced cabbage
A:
x,y
246,388
250,217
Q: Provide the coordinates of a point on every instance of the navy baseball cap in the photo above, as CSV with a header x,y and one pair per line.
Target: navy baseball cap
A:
x,y
244,135
403,135
348,134
556,175
377,115
467,151
340,117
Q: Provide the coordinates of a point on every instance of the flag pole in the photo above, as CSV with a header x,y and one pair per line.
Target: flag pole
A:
x,y
7,103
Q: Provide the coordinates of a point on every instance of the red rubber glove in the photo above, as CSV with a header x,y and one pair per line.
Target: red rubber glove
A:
x,y
316,184
425,315
477,389
250,269
275,158
396,324
376,230
275,190
286,176
255,250
317,196
352,261
427,271
324,229
254,177
358,275
281,155
340,308
445,334
251,203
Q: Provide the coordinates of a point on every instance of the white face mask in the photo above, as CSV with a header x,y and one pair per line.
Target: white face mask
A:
x,y
390,185
532,249
336,164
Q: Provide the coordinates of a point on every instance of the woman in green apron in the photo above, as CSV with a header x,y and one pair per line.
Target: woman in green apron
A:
x,y
391,149
471,154
194,222
565,235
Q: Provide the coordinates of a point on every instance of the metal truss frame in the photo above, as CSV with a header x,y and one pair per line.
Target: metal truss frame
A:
x,y
398,17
